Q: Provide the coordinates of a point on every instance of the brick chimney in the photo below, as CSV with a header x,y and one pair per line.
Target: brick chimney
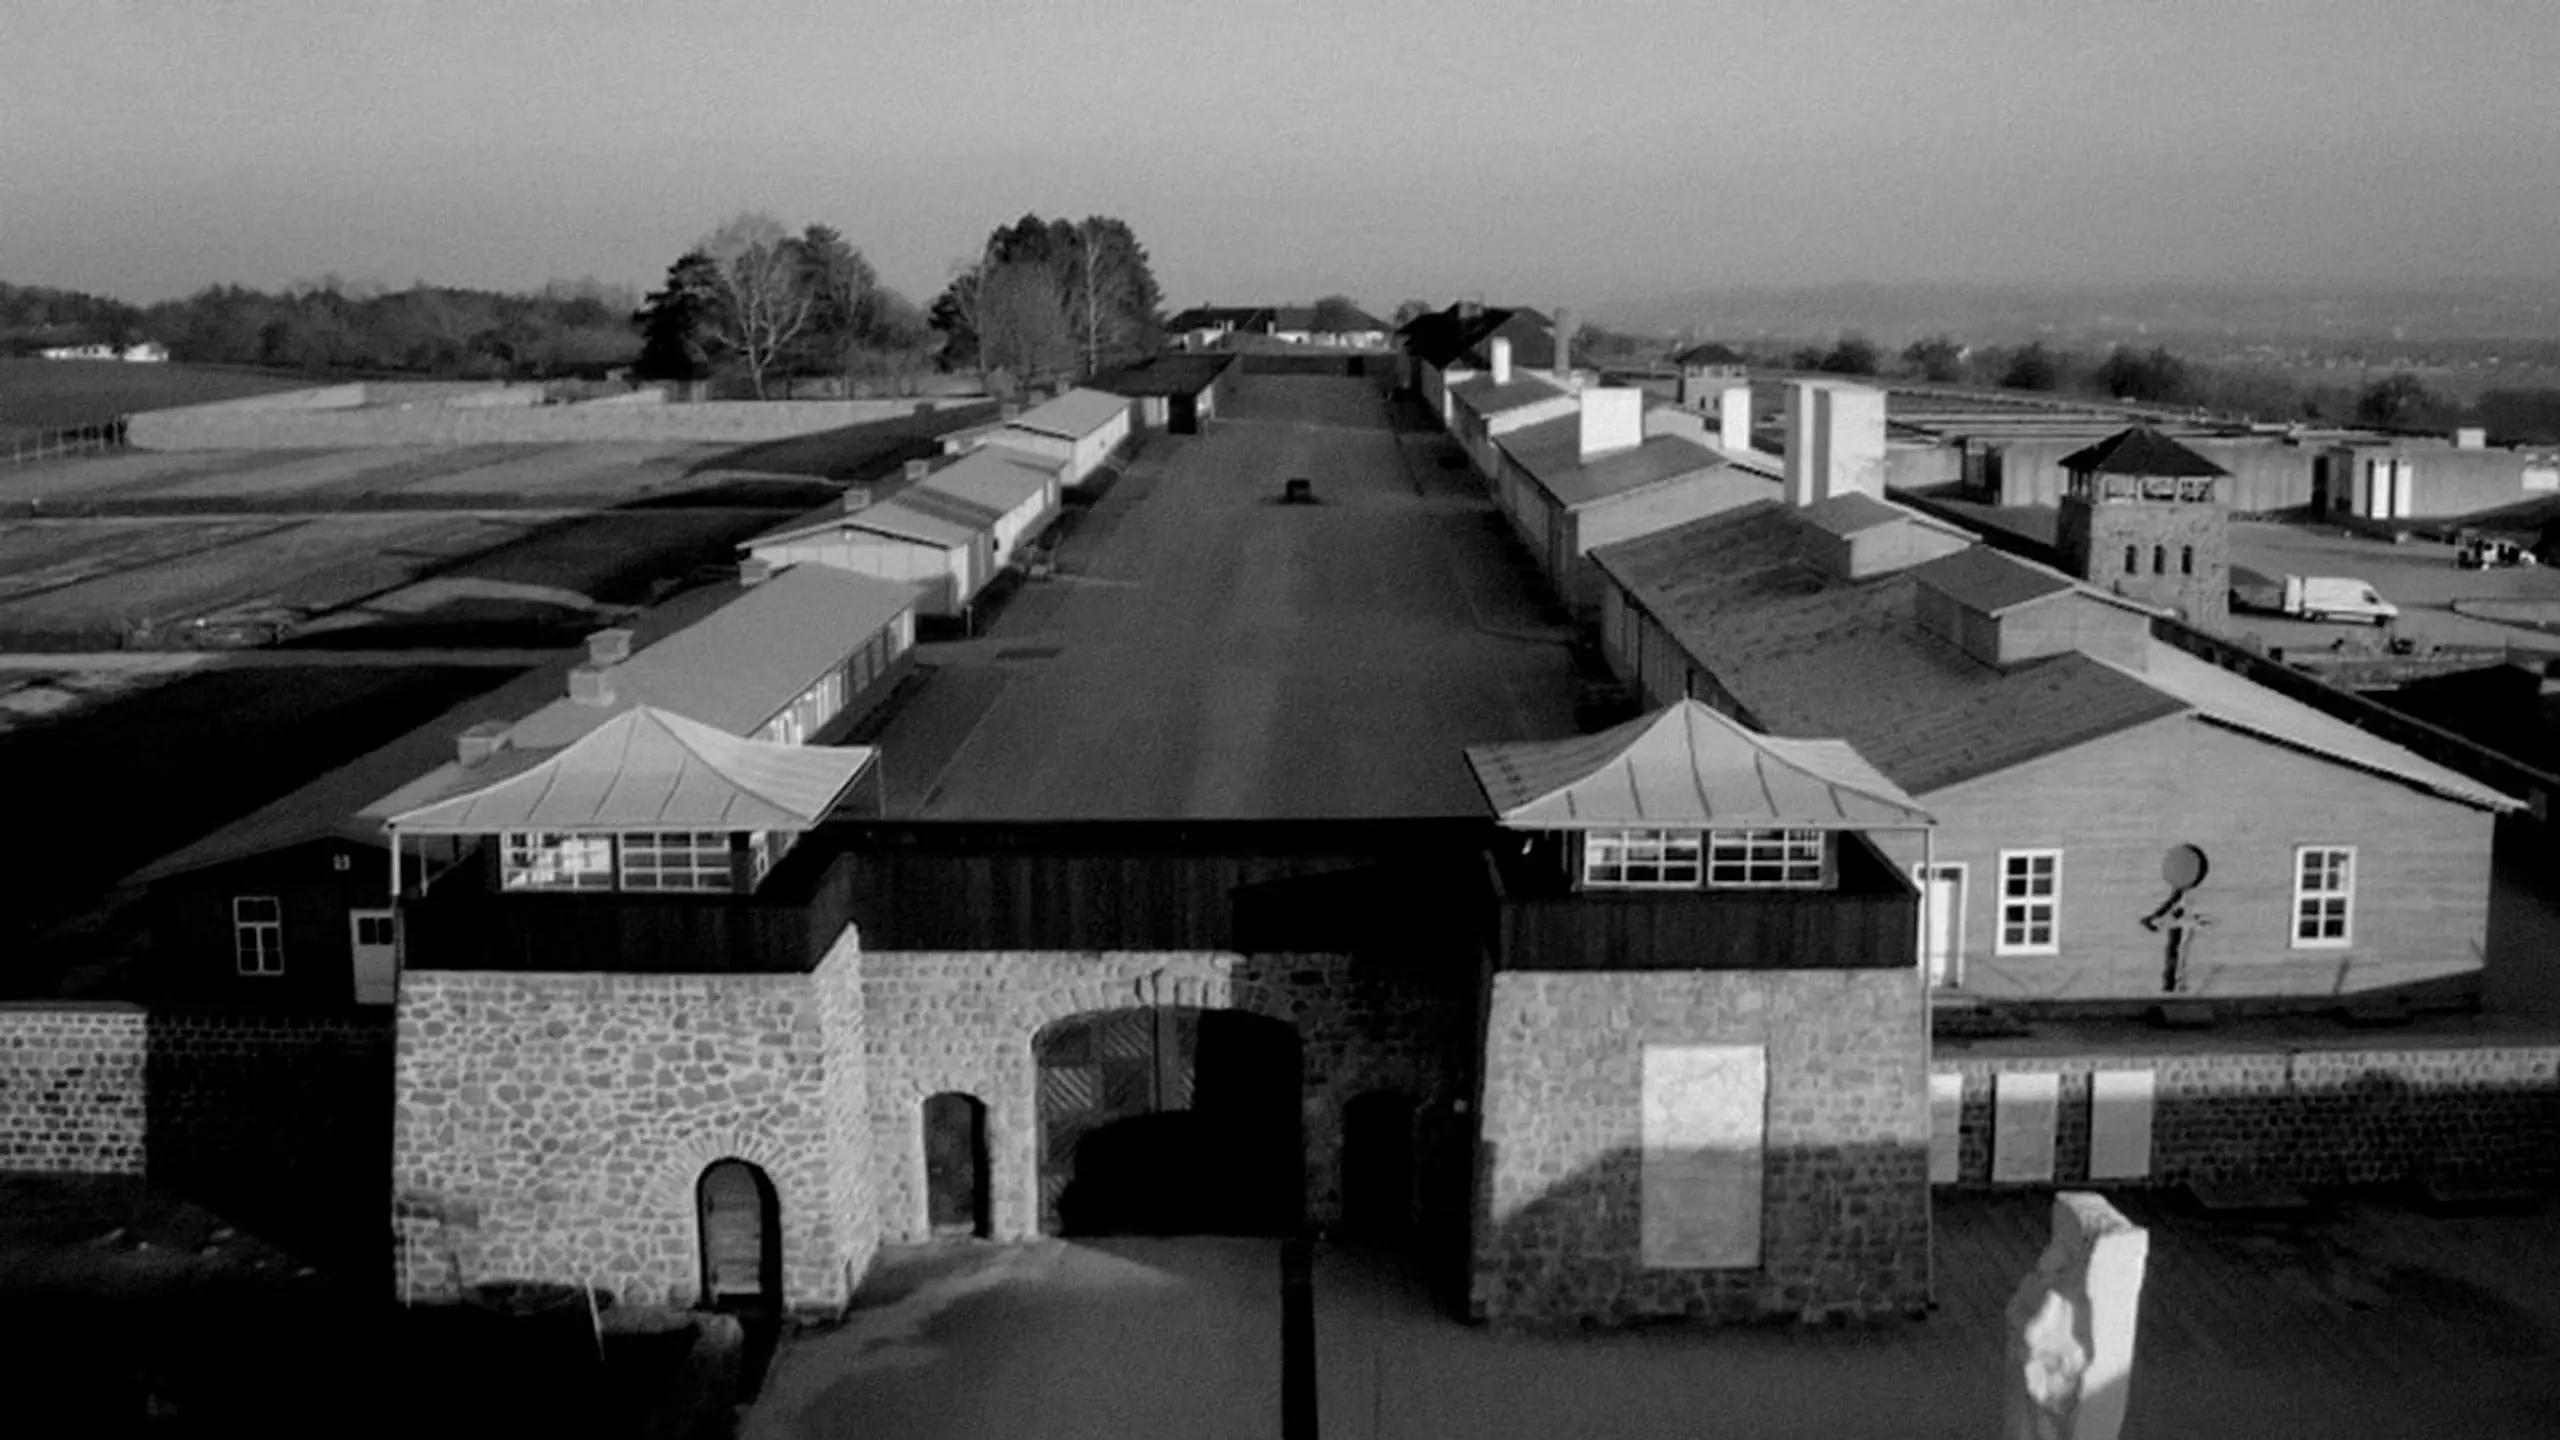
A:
x,y
918,469
608,647
475,745
591,685
1501,361
1564,343
856,499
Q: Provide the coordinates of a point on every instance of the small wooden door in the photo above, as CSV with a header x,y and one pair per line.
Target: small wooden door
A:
x,y
1377,1163
372,945
738,1240
955,1165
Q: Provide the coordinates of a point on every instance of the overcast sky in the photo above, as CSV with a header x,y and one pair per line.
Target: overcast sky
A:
x,y
1548,152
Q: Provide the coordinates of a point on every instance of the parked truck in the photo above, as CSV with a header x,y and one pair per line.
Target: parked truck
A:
x,y
2335,597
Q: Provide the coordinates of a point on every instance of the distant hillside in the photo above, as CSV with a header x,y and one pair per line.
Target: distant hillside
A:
x,y
2310,316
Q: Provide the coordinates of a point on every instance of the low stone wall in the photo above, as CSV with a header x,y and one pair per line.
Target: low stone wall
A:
x,y
555,1126
279,427
966,1023
2299,1116
1844,1188
71,1088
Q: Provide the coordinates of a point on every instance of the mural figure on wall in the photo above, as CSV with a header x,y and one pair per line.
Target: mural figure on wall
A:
x,y
2178,917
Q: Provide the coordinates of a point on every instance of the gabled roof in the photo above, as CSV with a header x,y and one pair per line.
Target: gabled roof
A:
x,y
741,665
1167,374
1210,317
1071,416
898,517
647,769
1981,578
1353,321
2139,450
1803,652
1551,453
1293,317
1709,354
993,481
1687,766
1445,338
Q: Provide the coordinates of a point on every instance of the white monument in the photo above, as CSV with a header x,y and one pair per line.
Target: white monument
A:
x,y
2071,1326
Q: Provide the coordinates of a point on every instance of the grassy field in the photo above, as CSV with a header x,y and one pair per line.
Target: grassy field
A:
x,y
56,394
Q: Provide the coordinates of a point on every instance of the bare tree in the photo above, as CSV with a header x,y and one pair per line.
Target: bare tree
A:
x,y
763,299
1100,299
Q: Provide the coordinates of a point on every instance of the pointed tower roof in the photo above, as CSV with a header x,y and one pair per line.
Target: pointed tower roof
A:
x,y
2140,450
1689,767
652,769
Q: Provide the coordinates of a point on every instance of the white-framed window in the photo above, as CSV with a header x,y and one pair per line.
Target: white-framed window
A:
x,y
544,860
677,860
2324,896
257,934
373,927
2030,902
1641,859
1764,858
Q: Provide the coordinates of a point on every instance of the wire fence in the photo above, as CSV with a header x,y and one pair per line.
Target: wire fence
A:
x,y
29,446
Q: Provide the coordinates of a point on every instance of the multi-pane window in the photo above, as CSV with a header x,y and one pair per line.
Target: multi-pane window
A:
x,y
808,714
1764,857
676,860
2030,901
1641,859
2324,893
765,849
375,929
257,934
545,860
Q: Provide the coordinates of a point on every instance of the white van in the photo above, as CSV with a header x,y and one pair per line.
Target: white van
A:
x,y
2336,597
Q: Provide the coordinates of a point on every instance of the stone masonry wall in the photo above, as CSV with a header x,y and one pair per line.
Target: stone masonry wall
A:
x,y
1845,1219
71,1094
555,1126
2301,1117
965,1022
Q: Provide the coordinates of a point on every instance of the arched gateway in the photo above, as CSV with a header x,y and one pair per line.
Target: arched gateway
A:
x,y
1169,1119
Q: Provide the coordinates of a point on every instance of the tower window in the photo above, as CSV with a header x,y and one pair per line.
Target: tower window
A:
x,y
2186,559
2159,559
2132,559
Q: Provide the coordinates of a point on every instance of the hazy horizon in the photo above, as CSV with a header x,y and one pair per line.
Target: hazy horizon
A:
x,y
1537,153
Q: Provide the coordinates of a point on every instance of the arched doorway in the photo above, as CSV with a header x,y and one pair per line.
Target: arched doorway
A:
x,y
955,1165
1377,1163
741,1220
1169,1120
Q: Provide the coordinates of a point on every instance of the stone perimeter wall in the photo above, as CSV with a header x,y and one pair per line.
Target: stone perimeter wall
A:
x,y
275,426
1845,1218
71,1096
556,1126
2301,1117
965,1022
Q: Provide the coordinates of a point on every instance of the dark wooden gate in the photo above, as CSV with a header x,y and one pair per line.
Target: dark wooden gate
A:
x,y
1169,1120
1377,1163
955,1164
741,1239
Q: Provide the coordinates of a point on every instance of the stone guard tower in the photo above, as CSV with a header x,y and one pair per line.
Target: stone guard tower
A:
x,y
2145,517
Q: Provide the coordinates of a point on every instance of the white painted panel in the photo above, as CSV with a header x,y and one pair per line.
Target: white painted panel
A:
x,y
1705,1122
1946,1121
2024,1107
2120,1103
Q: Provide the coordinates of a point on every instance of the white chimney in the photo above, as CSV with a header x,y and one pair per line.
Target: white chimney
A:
x,y
1501,361
1802,466
1612,419
918,469
608,647
1733,418
754,570
856,499
2471,437
589,685
477,744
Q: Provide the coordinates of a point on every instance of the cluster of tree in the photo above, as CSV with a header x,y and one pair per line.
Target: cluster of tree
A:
x,y
568,327
1046,298
754,295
